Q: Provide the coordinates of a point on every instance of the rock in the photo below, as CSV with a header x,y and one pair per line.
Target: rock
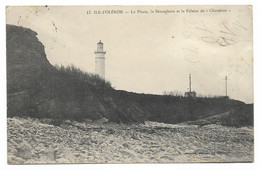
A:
x,y
63,160
18,140
101,121
12,159
127,153
24,150
110,131
125,145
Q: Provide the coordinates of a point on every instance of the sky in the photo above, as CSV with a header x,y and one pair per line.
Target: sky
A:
x,y
151,52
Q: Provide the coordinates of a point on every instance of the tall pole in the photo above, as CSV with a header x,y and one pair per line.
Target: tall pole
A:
x,y
226,84
190,81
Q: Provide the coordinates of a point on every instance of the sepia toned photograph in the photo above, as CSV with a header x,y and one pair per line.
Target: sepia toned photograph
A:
x,y
129,84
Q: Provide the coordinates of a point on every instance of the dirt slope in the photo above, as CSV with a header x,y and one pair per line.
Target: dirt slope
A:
x,y
240,116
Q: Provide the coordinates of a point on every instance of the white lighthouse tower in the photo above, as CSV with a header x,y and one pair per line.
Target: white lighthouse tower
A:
x,y
100,60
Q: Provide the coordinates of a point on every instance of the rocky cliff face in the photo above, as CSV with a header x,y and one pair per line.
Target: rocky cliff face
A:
x,y
27,69
37,89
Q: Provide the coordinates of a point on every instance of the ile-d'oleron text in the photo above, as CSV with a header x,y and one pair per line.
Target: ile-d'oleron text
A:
x,y
105,12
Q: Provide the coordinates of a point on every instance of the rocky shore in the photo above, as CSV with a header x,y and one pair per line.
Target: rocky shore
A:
x,y
34,141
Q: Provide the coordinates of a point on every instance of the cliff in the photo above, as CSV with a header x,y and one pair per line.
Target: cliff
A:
x,y
37,89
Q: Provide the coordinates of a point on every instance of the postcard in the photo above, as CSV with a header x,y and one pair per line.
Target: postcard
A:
x,y
129,84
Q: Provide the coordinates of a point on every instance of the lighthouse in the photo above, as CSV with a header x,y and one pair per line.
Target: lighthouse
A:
x,y
100,60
